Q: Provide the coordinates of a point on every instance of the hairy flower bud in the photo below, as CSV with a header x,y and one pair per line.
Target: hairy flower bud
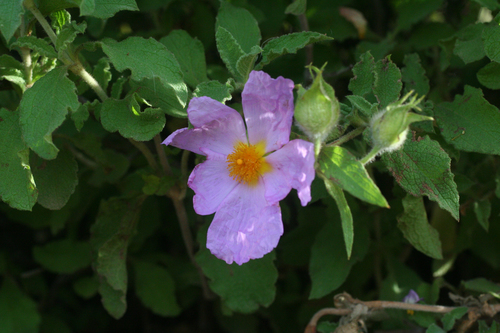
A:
x,y
317,109
390,126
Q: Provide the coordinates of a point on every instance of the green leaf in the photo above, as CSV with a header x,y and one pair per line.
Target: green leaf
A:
x,y
329,266
55,179
49,6
155,287
481,285
434,329
290,43
490,4
102,73
110,237
422,167
123,116
449,319
63,256
491,37
215,90
417,230
387,83
36,44
190,54
482,209
297,7
411,12
240,24
86,287
147,58
242,288
345,214
469,45
159,95
362,82
10,17
489,75
68,34
105,8
470,123
42,111
414,75
59,19
245,64
17,186
367,109
342,168
483,328
19,312
229,50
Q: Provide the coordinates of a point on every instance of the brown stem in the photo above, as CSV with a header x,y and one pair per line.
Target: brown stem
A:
x,y
161,153
146,152
304,26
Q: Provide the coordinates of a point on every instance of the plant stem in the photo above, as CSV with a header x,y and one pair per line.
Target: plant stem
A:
x,y
30,5
351,135
161,153
78,69
26,55
146,152
371,154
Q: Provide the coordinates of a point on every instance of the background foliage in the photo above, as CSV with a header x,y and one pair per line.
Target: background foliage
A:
x,y
97,230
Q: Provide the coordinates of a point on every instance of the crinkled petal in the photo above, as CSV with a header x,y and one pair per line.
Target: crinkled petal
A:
x,y
204,110
211,184
268,108
217,137
244,227
292,167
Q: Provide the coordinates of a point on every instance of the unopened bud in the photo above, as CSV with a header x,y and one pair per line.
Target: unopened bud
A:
x,y
317,109
390,126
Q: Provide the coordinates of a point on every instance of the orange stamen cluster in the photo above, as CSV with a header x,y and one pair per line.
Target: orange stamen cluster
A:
x,y
246,163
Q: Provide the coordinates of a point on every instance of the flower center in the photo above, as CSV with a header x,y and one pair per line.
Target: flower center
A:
x,y
246,163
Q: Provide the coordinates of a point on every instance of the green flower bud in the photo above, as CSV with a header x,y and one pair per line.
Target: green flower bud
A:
x,y
317,110
390,126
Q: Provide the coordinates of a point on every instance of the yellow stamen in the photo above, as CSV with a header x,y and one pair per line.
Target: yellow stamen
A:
x,y
246,163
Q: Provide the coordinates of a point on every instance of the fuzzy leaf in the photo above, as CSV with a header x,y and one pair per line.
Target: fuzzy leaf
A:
x,y
417,230
63,256
110,237
55,179
387,83
42,111
414,75
482,209
362,82
17,187
105,8
491,37
297,7
469,45
19,312
345,214
489,75
160,96
240,24
155,287
190,54
36,44
342,168
422,167
123,116
229,50
10,17
290,43
214,89
470,122
159,62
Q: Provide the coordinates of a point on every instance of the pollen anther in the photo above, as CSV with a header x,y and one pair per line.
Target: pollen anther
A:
x,y
246,163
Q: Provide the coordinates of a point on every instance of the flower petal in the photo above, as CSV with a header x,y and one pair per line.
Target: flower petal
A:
x,y
211,183
244,227
216,137
203,110
292,167
268,108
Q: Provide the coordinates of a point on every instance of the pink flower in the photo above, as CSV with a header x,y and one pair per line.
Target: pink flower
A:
x,y
246,173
